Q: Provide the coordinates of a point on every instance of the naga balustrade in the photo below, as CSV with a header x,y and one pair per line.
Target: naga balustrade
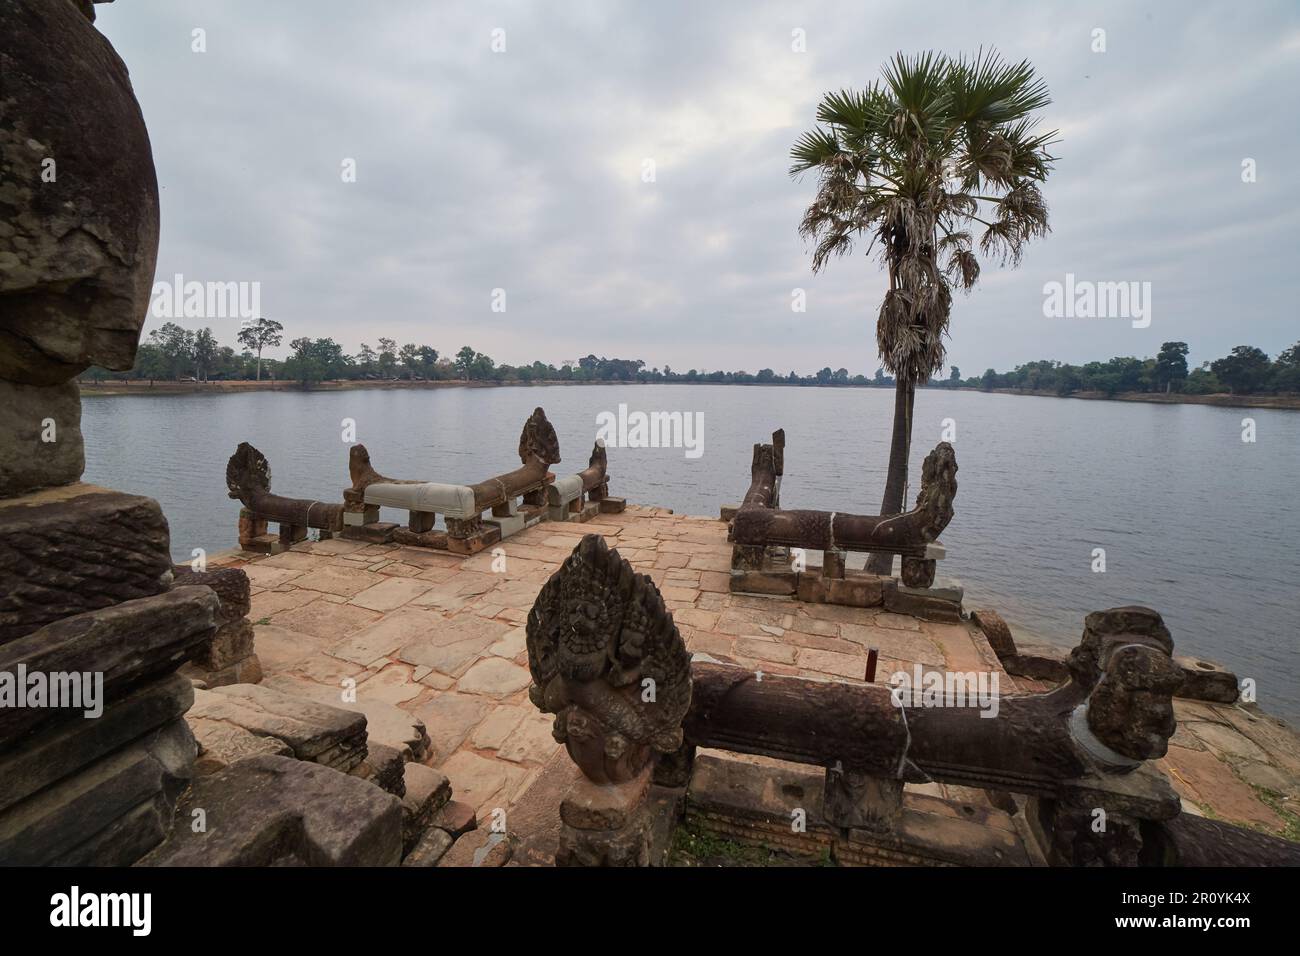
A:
x,y
461,506
763,535
632,706
583,495
248,478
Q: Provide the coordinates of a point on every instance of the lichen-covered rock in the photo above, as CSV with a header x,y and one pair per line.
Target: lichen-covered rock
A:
x,y
78,198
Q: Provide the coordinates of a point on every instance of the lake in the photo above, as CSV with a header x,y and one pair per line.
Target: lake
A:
x,y
1194,522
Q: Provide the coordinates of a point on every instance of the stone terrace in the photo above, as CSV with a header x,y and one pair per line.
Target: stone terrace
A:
x,y
441,637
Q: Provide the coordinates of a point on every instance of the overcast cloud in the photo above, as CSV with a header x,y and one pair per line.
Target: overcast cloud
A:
x,y
522,170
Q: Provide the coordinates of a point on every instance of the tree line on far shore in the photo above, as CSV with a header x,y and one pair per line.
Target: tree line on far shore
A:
x,y
172,353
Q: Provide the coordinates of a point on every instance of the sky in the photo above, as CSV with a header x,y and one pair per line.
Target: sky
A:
x,y
524,168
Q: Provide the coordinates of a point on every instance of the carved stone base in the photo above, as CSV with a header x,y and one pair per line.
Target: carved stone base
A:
x,y
853,590
918,572
765,582
487,536
853,799
606,824
612,506
378,532
930,604
420,539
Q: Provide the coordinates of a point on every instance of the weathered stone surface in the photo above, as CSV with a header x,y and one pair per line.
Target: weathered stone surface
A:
x,y
494,677
456,818
275,811
433,843
479,848
996,632
63,749
246,670
77,254
221,744
385,723
129,643
610,806
1039,662
929,604
316,732
385,767
231,585
76,548
1194,841
232,643
427,792
42,429
52,823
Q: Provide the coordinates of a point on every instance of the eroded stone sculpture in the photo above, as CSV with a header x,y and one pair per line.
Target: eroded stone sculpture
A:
x,y
608,661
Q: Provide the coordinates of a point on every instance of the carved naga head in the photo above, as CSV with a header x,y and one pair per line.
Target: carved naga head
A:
x,y
938,489
248,473
608,661
538,440
1125,660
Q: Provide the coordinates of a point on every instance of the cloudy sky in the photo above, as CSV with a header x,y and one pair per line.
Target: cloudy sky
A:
x,y
522,170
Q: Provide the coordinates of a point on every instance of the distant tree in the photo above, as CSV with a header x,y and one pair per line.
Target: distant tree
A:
x,y
176,346
387,360
464,361
989,380
1286,370
428,361
409,356
1171,366
260,334
954,376
1244,370
205,353
366,359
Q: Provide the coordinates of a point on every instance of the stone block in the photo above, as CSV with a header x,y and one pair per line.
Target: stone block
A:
x,y
1206,680
67,550
42,428
275,811
231,585
483,848
427,792
315,732
385,767
430,848
765,582
996,632
941,604
52,823
221,744
129,644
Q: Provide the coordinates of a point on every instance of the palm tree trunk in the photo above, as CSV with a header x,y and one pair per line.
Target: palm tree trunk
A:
x,y
896,480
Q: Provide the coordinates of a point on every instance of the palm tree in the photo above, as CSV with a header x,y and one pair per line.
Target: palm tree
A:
x,y
942,147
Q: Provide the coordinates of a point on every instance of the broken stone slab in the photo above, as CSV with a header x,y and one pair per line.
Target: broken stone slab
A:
x,y
231,585
276,811
53,822
64,551
996,632
314,731
427,792
129,644
386,723
64,749
42,428
221,744
432,845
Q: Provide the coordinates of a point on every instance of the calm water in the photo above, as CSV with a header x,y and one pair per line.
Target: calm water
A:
x,y
1195,523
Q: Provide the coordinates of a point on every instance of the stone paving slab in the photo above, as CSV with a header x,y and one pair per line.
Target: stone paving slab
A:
x,y
441,637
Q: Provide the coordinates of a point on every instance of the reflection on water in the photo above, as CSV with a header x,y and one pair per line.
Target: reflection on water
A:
x,y
1194,522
